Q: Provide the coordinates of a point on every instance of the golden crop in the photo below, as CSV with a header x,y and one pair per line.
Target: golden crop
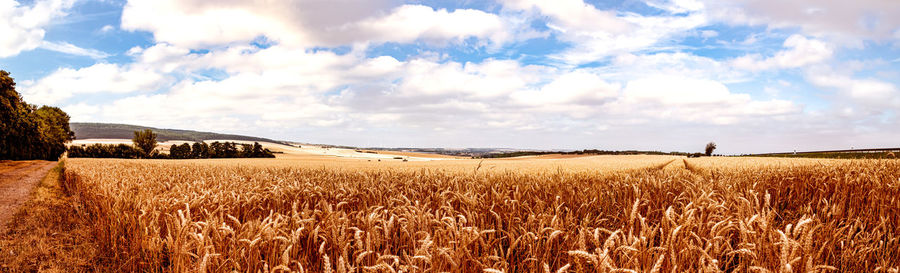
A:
x,y
666,215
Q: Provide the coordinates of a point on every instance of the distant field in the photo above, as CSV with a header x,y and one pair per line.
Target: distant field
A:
x,y
839,155
313,212
317,156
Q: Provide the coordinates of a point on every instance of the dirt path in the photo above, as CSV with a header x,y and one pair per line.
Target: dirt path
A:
x,y
17,180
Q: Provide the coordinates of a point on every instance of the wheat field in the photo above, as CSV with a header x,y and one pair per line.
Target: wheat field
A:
x,y
627,214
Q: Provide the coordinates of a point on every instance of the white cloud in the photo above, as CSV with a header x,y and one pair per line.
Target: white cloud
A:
x,y
289,89
22,27
577,87
628,66
409,23
574,17
200,101
68,48
195,24
198,24
596,34
292,87
419,98
799,52
81,111
847,21
872,93
107,29
296,88
678,91
163,57
491,78
695,100
65,83
678,6
622,77
708,33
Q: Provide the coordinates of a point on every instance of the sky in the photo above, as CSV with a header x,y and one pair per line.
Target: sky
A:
x,y
753,76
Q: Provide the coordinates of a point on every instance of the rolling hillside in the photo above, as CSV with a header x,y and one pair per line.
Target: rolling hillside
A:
x,y
125,131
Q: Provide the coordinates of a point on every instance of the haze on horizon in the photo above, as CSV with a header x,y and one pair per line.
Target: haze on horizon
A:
x,y
753,76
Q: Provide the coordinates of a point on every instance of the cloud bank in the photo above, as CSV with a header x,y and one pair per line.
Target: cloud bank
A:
x,y
667,75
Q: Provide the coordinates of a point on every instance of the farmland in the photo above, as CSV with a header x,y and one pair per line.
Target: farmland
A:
x,y
451,136
541,214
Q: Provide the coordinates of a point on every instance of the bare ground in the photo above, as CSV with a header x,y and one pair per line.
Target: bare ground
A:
x,y
46,233
17,180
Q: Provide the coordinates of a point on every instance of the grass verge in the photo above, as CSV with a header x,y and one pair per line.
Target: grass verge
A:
x,y
48,234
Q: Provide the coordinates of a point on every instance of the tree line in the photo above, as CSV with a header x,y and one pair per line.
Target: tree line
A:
x,y
218,150
27,131
144,146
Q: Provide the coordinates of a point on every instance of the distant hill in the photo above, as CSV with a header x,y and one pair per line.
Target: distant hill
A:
x,y
84,130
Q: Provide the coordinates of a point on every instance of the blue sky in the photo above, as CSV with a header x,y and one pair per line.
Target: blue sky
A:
x,y
754,76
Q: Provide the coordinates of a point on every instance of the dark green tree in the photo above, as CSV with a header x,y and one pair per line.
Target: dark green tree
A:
x,y
204,150
13,124
710,147
28,132
53,126
230,150
258,150
246,151
124,151
184,151
175,152
145,141
216,150
196,150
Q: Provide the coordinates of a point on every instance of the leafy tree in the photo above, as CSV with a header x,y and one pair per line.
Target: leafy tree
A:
x,y
76,151
204,150
258,150
216,150
53,126
124,151
196,150
173,150
28,132
104,151
182,151
246,151
229,150
145,141
185,150
710,147
13,125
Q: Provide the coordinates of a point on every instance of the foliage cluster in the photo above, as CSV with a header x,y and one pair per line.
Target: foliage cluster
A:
x,y
219,150
184,151
104,151
145,142
27,131
710,147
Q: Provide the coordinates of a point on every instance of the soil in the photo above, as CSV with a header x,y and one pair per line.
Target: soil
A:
x,y
17,180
